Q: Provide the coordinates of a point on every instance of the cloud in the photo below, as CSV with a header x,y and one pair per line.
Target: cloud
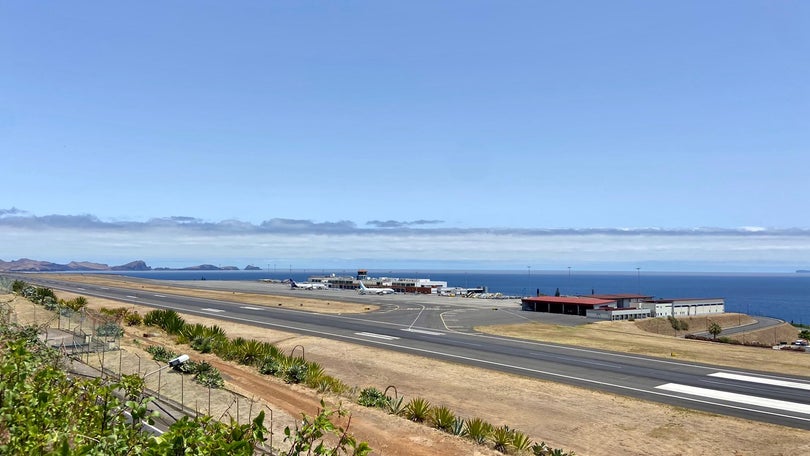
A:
x,y
189,240
12,211
397,224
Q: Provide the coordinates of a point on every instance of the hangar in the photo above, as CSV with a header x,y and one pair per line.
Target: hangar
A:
x,y
568,305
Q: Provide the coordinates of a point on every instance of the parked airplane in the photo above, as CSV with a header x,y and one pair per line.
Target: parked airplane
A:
x,y
308,285
380,291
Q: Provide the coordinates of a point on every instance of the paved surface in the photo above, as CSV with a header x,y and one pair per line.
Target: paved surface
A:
x,y
442,329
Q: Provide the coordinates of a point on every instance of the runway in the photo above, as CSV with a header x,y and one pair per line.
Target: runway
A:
x,y
441,328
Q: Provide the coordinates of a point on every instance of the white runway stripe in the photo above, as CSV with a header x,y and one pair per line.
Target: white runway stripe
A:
x,y
377,336
764,381
212,310
422,331
738,398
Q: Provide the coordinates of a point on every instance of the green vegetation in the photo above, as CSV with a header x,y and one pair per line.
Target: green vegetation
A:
x,y
715,329
678,324
43,411
308,438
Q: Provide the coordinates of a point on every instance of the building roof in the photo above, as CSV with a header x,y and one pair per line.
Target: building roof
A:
x,y
570,300
620,296
673,300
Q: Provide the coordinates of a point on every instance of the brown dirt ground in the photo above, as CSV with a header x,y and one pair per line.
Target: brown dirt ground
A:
x,y
586,421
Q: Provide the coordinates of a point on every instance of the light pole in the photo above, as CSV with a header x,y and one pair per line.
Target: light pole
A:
x,y
172,363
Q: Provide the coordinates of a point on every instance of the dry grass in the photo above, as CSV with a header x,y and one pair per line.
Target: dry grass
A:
x,y
629,337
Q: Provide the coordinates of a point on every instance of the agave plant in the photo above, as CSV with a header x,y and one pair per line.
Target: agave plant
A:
x,y
269,365
540,449
501,438
418,410
520,441
458,427
443,418
394,406
372,397
477,430
294,370
314,374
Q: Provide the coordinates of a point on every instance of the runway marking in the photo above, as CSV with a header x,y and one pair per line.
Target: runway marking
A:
x,y
377,336
738,398
422,331
132,297
212,310
764,381
506,365
80,288
251,308
160,296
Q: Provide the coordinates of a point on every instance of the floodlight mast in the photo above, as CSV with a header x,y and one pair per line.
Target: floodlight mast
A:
x,y
174,362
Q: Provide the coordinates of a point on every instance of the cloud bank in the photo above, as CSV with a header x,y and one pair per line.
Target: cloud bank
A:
x,y
184,240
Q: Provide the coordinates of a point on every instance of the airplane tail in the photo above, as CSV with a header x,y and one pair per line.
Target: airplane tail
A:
x,y
362,286
293,284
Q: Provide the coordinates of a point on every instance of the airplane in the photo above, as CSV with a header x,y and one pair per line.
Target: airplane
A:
x,y
308,285
380,291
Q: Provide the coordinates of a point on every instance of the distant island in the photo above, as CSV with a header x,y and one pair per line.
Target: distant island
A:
x,y
803,271
28,265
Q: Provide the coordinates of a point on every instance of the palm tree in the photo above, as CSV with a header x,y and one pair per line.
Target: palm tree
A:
x,y
715,329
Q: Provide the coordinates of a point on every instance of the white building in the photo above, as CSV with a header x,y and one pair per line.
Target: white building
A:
x,y
684,307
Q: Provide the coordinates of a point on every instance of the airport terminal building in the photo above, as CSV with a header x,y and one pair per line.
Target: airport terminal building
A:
x,y
623,306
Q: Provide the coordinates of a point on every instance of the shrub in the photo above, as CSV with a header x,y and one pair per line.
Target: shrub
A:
x,y
294,370
372,397
109,329
133,319
208,375
269,366
161,353
501,438
418,410
520,441
166,319
442,418
477,430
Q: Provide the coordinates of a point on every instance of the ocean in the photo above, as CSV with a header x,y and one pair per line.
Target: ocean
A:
x,y
784,296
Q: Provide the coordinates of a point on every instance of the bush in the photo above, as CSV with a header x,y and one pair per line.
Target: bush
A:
x,y
372,397
677,324
110,329
208,375
133,319
161,353
477,430
418,410
443,418
165,319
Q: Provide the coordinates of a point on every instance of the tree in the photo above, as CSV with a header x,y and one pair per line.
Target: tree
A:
x,y
714,329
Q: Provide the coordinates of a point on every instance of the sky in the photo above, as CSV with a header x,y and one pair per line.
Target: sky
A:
x,y
466,135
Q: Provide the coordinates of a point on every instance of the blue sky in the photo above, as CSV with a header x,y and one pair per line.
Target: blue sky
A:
x,y
451,134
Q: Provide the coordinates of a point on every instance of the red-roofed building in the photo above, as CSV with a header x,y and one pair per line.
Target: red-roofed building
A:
x,y
568,305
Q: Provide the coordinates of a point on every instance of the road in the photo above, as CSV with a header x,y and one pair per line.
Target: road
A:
x,y
419,325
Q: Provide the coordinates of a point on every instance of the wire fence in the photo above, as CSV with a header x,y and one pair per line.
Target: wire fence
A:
x,y
92,349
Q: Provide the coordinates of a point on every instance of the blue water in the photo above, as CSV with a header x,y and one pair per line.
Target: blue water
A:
x,y
785,296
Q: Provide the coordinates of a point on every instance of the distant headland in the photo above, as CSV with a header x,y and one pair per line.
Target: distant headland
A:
x,y
28,265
